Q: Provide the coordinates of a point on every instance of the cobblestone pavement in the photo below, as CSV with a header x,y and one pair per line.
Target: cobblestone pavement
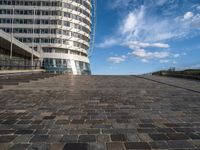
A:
x,y
99,113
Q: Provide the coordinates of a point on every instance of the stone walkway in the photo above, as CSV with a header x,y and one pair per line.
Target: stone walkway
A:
x,y
99,113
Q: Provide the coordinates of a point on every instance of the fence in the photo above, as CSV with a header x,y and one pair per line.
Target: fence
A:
x,y
18,64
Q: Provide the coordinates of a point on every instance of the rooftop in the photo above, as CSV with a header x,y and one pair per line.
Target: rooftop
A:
x,y
99,113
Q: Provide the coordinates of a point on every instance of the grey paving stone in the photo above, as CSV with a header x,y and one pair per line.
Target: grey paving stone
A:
x,y
39,138
87,138
159,145
70,139
76,146
39,146
24,131
19,147
179,144
23,138
196,143
133,137
194,136
102,138
137,145
177,136
97,146
97,108
159,137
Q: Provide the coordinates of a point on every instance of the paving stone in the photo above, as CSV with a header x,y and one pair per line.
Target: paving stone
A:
x,y
57,146
102,138
9,122
97,108
177,136
185,130
70,139
196,143
97,146
133,137
40,138
172,125
19,147
23,138
158,137
194,136
54,138
115,146
5,146
159,145
76,146
144,137
118,137
41,131
36,122
179,144
165,130
49,117
137,145
87,138
6,139
6,132
62,121
39,146
24,131
74,121
146,125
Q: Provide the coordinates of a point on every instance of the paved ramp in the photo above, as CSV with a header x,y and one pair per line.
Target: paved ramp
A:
x,y
99,113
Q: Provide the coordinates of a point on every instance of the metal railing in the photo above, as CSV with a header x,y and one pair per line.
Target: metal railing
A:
x,y
17,64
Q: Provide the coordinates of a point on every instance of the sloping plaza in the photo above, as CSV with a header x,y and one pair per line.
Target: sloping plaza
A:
x,y
100,113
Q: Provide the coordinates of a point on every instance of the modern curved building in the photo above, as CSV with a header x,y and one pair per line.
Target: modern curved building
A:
x,y
59,30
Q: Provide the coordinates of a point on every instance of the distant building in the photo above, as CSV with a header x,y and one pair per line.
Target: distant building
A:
x,y
57,29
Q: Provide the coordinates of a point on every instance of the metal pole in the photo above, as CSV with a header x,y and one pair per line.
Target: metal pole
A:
x,y
11,45
33,38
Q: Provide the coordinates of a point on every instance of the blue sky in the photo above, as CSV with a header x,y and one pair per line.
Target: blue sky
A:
x,y
141,36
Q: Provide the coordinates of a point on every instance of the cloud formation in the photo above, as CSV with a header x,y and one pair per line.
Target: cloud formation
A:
x,y
147,33
141,53
117,59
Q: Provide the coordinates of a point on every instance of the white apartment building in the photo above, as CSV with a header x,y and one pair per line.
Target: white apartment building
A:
x,y
58,29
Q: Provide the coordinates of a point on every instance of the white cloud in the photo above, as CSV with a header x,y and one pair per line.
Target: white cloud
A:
x,y
108,43
188,15
119,3
132,20
164,61
176,55
144,60
184,54
141,53
117,59
138,44
161,2
140,30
